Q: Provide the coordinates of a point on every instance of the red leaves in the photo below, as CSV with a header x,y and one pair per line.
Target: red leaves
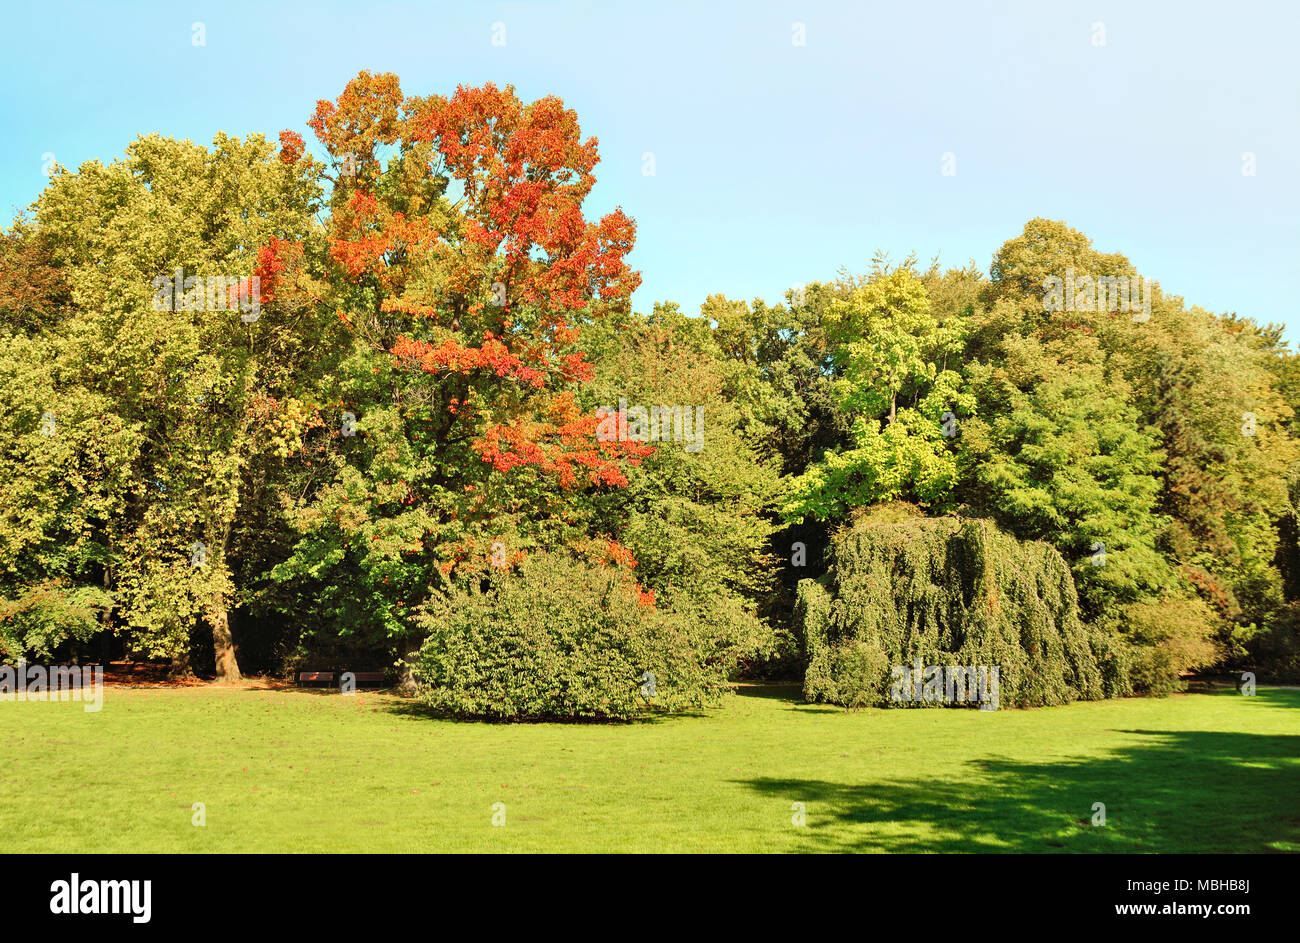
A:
x,y
362,207
291,147
574,368
619,554
362,251
450,356
565,447
273,260
525,173
615,553
361,256
32,284
491,282
593,268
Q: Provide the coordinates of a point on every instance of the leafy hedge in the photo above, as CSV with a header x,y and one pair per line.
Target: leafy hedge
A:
x,y
559,638
1164,637
951,592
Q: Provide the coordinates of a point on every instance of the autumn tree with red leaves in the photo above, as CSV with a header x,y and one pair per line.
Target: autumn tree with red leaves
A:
x,y
461,261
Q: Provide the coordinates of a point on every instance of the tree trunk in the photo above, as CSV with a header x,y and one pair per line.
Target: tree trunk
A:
x,y
223,642
407,684
106,620
223,645
180,665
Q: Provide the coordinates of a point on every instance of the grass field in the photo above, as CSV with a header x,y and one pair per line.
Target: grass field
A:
x,y
293,770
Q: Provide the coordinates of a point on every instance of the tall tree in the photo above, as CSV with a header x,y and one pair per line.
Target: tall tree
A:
x,y
169,330
461,263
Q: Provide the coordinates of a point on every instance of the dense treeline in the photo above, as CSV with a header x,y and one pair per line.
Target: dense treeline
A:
x,y
390,408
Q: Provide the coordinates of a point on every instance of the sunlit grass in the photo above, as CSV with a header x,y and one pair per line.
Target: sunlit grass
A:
x,y
287,770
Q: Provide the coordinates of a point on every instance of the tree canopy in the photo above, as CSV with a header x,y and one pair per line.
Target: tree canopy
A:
x,y
275,404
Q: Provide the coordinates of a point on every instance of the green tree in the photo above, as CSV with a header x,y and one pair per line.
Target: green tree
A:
x,y
895,377
697,512
200,377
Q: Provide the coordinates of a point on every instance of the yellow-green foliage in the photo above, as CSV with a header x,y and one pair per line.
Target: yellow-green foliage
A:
x,y
1166,637
956,592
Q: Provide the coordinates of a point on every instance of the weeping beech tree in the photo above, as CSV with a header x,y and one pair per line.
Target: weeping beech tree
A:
x,y
951,591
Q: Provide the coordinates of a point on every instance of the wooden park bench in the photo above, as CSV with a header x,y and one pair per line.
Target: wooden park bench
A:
x,y
332,679
369,679
315,679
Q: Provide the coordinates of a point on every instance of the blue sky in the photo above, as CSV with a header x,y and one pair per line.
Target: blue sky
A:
x,y
775,164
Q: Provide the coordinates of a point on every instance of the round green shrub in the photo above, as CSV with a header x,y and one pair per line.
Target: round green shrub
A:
x,y
559,638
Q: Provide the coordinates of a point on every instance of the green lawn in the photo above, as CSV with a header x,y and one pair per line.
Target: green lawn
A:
x,y
289,770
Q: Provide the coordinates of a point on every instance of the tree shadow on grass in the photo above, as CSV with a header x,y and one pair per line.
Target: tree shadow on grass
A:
x,y
1175,791
415,708
774,690
330,691
791,694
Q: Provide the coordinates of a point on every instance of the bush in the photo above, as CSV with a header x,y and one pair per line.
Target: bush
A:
x,y
861,673
1167,637
951,592
558,638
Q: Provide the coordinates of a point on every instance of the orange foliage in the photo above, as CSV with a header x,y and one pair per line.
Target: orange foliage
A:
x,y
499,276
564,446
